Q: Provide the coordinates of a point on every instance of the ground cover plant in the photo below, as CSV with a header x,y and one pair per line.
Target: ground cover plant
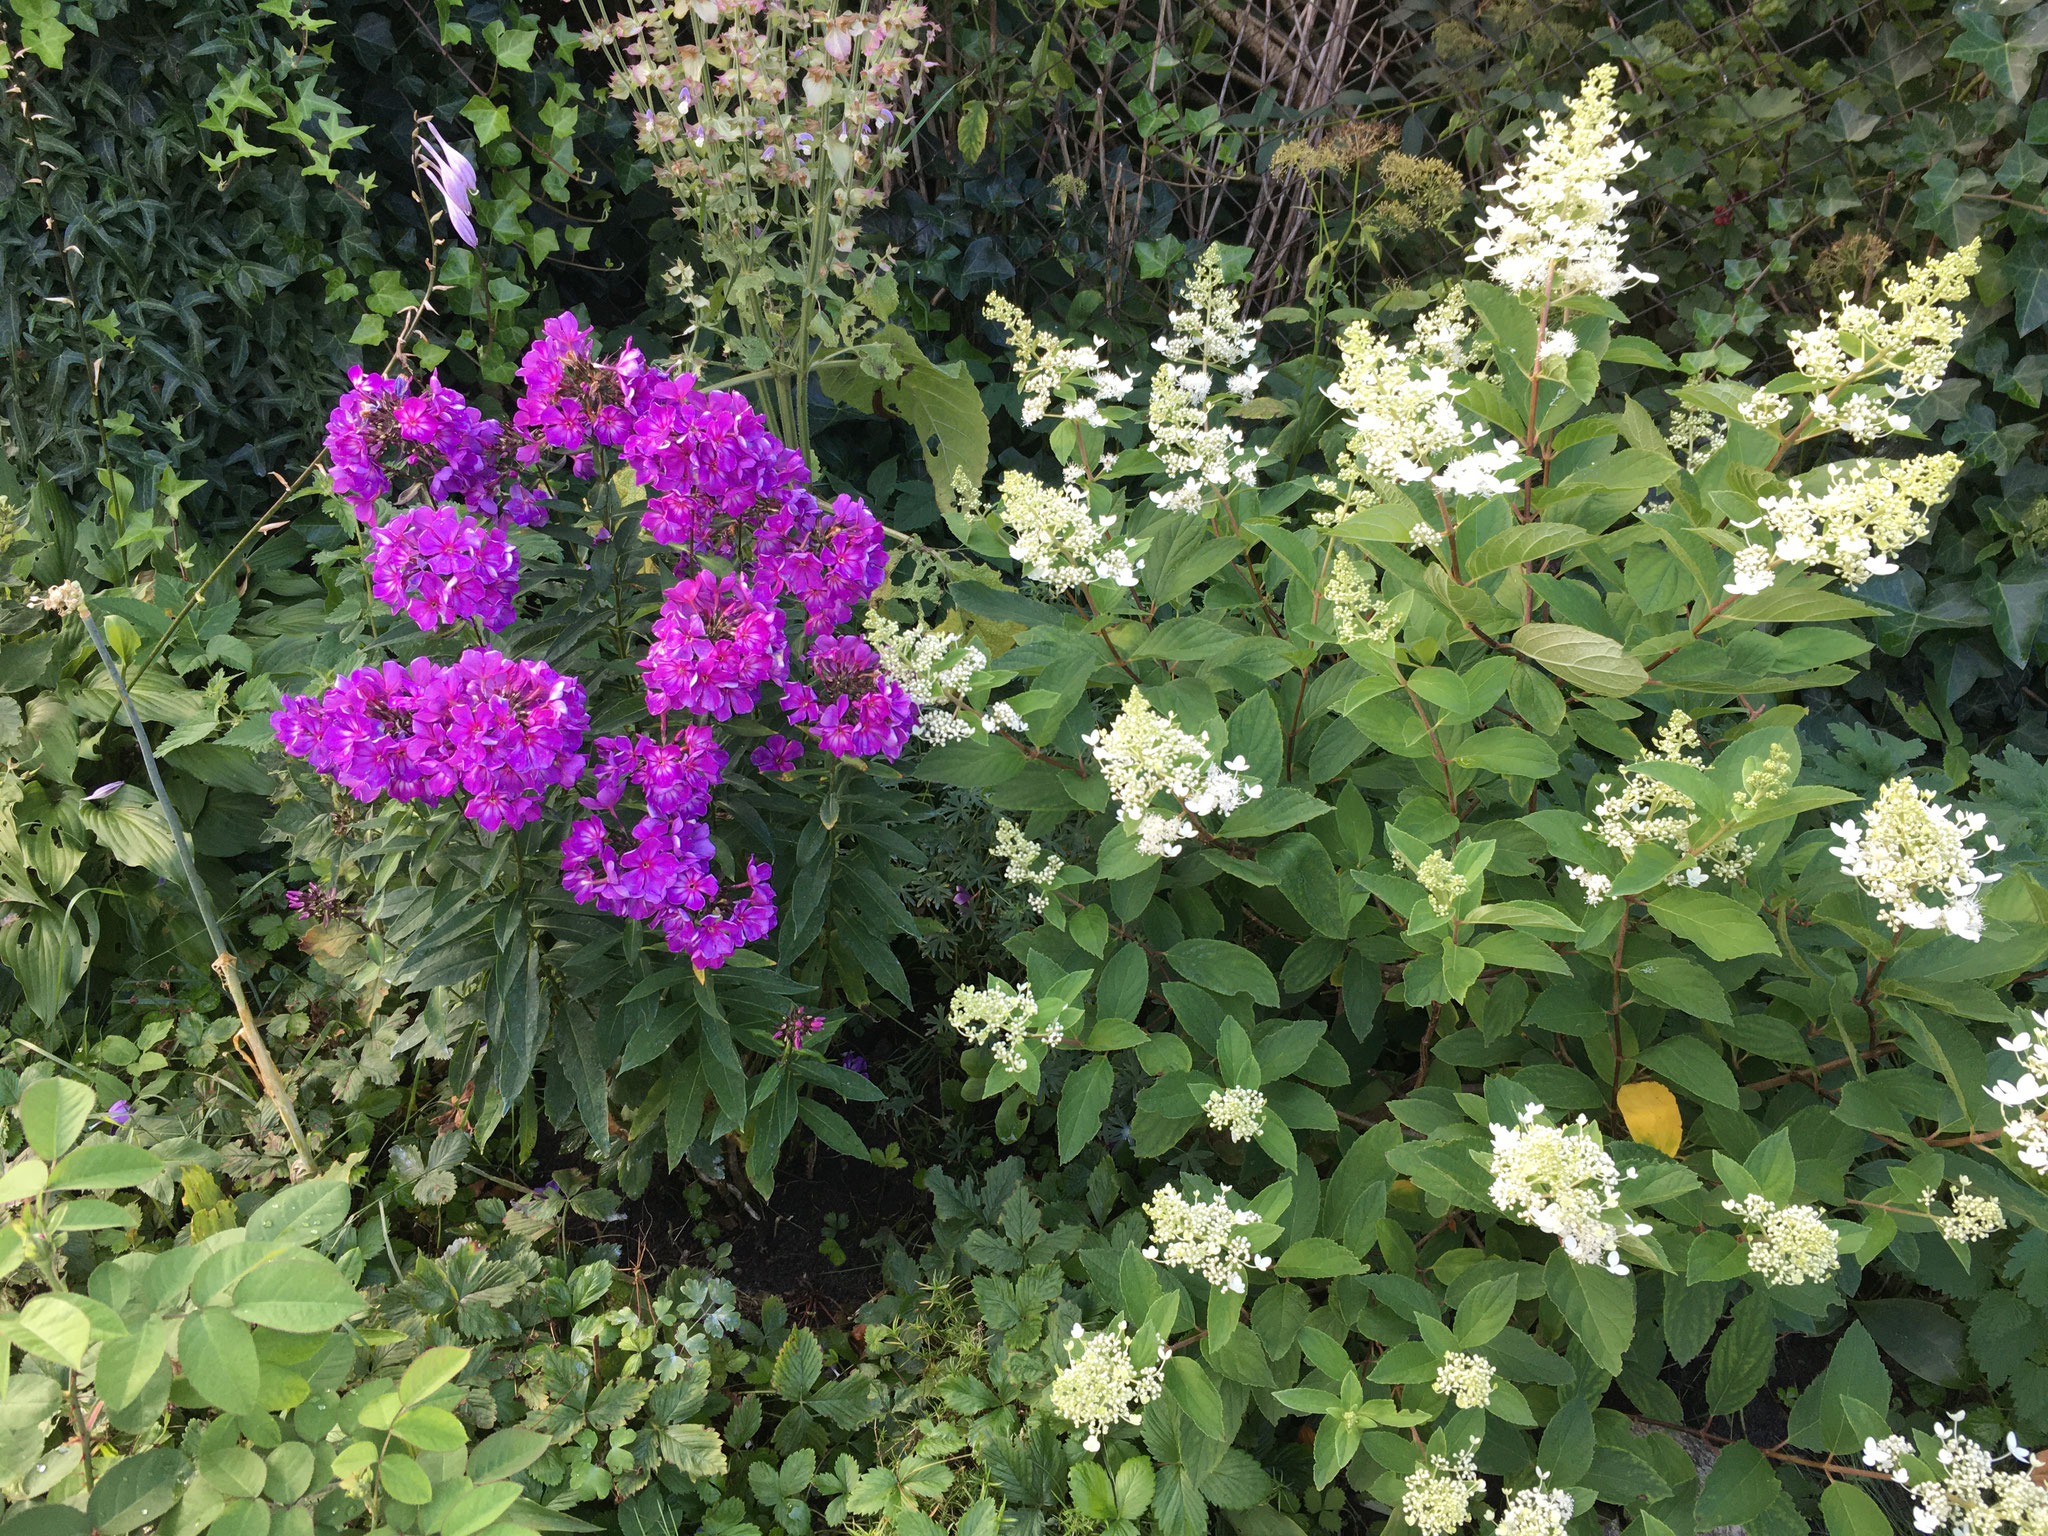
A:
x,y
1290,916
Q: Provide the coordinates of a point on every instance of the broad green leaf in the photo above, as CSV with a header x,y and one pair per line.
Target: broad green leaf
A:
x,y
134,1491
1317,1258
53,1111
1739,1487
300,1213
432,1370
1581,658
798,1364
105,1165
430,1429
218,1358
1849,1511
1726,929
1599,1307
296,1293
1696,1068
1509,751
404,1479
504,1453
52,1327
1225,968
1081,1102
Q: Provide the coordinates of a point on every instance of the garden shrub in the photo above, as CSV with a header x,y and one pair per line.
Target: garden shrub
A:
x,y
1460,1017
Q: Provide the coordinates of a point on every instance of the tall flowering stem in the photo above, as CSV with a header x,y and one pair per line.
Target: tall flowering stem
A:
x,y
225,966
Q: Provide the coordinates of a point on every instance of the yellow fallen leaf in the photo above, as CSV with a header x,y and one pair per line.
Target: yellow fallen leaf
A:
x,y
1652,1116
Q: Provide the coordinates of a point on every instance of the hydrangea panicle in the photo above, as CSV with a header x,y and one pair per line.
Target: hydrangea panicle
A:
x,y
1913,855
1240,1111
1202,1237
1145,754
1436,1498
1564,1182
1101,1386
1788,1245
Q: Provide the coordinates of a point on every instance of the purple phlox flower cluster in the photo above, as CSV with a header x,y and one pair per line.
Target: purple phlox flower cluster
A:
x,y
793,1031
778,754
438,565
854,710
432,439
720,483
572,400
741,914
499,731
715,644
659,870
710,466
316,903
455,178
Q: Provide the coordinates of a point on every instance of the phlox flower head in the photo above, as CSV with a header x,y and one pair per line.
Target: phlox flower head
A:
x,y
739,913
388,438
849,704
437,565
715,644
709,464
572,399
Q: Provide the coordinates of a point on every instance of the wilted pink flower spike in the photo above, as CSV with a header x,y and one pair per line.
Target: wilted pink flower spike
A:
x,y
455,178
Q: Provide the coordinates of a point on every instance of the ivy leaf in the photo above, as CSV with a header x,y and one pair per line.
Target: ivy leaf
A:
x,y
2026,268
2007,61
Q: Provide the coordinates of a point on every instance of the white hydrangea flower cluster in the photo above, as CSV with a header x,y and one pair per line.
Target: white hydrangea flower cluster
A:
x,y
1443,883
1240,1111
1466,1380
1971,1216
1443,332
1206,332
1478,473
1436,1498
1101,1386
1789,1244
1058,538
2025,1100
1647,810
1358,613
1144,754
64,599
1869,510
1044,363
1029,863
1538,1511
1203,1238
925,664
1399,406
1558,223
1205,459
1598,887
1001,1019
1909,847
1971,1496
1847,354
1561,1181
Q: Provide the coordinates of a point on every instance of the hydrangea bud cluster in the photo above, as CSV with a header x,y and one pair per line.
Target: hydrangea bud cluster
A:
x,y
1443,883
1564,1182
1643,809
1538,1511
1913,855
1867,511
1848,356
1436,1498
1027,862
1206,333
1557,224
1204,459
499,732
1971,1216
1240,1111
437,481
1960,1488
1057,537
1145,754
1001,1019
1102,1386
1788,1245
1466,1380
2024,1099
1202,1237
1358,613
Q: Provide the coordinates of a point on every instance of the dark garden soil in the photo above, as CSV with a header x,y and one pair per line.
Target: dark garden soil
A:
x,y
776,1247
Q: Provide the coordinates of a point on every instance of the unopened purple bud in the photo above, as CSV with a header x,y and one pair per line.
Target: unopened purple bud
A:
x,y
119,1112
